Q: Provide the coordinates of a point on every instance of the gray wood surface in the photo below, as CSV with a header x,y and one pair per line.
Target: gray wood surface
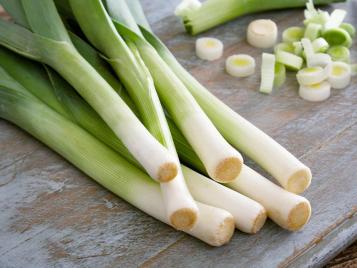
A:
x,y
51,215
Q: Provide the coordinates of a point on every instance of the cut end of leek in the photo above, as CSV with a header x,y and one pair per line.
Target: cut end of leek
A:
x,y
224,233
228,169
267,73
339,75
262,33
315,93
339,53
208,48
240,65
299,181
183,219
293,34
167,172
187,6
259,222
299,216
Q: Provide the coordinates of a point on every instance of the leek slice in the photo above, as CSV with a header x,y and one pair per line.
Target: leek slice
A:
x,y
348,27
337,36
262,33
312,31
298,49
319,59
315,93
288,47
240,65
186,6
208,48
290,60
267,73
320,45
339,53
293,34
339,75
279,75
311,75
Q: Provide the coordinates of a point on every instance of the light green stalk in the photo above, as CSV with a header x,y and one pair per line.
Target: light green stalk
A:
x,y
51,44
215,12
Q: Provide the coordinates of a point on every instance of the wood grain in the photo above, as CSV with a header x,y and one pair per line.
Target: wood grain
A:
x,y
51,215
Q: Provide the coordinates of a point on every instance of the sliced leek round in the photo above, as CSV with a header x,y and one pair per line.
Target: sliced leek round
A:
x,y
315,93
240,65
288,47
262,33
337,36
339,53
349,28
339,75
311,75
320,45
208,48
298,49
291,61
293,34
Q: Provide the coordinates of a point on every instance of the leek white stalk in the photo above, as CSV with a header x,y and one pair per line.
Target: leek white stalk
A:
x,y
262,33
128,65
288,210
214,226
290,60
315,92
311,75
223,163
293,34
51,43
267,73
240,65
274,158
249,215
339,75
208,48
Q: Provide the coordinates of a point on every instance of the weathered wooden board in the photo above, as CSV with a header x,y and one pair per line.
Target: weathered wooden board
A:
x,y
51,215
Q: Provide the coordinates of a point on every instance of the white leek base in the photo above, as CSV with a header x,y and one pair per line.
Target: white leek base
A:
x,y
288,210
208,48
249,215
262,33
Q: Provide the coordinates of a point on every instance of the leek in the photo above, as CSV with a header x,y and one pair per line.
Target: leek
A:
x,y
128,65
288,170
214,226
215,12
51,42
249,216
222,161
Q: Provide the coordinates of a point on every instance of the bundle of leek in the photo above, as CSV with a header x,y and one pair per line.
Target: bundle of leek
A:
x,y
215,12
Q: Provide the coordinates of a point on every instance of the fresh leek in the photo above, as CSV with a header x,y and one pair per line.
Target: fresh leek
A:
x,y
281,164
208,48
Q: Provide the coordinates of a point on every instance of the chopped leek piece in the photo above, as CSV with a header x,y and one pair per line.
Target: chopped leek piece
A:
x,y
298,49
262,33
311,75
293,34
337,36
320,45
348,27
336,18
315,93
339,53
279,75
339,75
267,73
291,61
312,31
288,47
319,59
240,65
208,48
